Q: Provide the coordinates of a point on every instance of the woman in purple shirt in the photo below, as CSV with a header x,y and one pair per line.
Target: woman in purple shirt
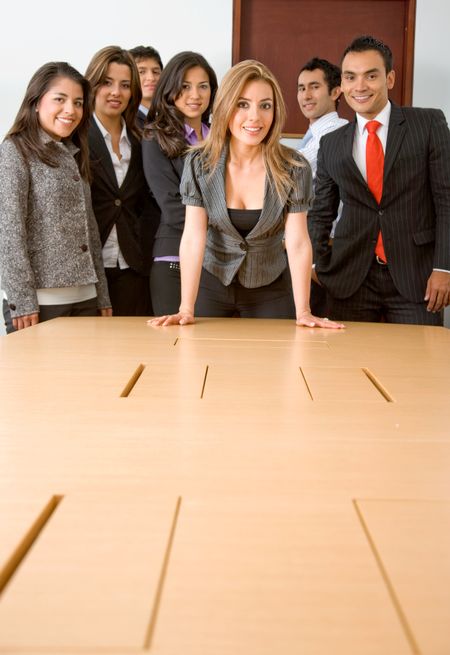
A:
x,y
178,117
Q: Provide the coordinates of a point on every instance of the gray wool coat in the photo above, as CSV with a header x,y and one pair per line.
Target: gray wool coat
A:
x,y
48,232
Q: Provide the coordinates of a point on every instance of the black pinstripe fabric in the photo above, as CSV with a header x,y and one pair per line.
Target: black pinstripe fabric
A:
x,y
414,212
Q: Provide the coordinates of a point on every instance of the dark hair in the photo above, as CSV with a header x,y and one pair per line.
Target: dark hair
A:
x,y
141,52
331,73
96,74
165,122
366,42
25,131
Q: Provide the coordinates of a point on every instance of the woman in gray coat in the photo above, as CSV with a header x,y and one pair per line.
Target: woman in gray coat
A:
x,y
50,254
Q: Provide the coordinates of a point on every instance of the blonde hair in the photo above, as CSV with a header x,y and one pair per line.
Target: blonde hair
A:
x,y
277,158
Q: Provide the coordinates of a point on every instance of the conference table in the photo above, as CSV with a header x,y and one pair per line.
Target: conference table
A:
x,y
230,487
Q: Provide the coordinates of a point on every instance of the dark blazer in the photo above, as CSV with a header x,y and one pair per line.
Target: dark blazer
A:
x,y
163,176
130,207
414,212
141,119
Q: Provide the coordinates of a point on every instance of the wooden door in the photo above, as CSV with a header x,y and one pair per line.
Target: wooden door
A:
x,y
287,33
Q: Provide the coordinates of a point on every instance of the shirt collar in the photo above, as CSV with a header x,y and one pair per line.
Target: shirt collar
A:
x,y
191,136
315,127
143,109
382,117
106,134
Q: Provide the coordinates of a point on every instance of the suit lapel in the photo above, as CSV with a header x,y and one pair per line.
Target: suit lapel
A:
x,y
99,154
216,183
271,210
130,177
396,133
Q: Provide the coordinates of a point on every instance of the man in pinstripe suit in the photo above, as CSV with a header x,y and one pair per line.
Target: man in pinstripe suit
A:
x,y
412,216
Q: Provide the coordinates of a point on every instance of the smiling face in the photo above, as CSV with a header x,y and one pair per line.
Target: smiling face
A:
x,y
365,83
313,96
149,74
114,94
60,109
251,121
195,95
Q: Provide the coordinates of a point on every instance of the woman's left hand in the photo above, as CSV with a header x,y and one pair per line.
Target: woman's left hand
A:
x,y
308,320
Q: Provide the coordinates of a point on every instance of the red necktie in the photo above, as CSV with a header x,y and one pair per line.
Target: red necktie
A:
x,y
374,169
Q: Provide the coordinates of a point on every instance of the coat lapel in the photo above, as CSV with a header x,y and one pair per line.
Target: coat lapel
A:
x,y
216,183
396,133
135,164
99,155
271,210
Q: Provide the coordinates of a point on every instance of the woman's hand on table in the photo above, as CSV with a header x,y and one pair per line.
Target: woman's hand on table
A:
x,y
307,319
22,322
181,318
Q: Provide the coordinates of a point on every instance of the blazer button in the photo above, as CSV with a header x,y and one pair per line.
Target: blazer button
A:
x,y
84,247
117,202
243,246
381,212
76,178
12,306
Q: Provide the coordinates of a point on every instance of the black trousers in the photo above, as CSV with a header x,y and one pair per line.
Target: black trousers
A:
x,y
129,292
318,300
165,287
274,300
47,312
378,300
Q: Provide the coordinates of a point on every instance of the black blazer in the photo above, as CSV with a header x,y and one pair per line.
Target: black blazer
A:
x,y
163,176
141,119
414,212
130,207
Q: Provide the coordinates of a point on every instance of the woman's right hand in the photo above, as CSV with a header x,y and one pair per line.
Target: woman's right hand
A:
x,y
25,321
181,318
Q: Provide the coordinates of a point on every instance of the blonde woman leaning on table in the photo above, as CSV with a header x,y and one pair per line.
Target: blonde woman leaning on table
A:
x,y
243,191
50,255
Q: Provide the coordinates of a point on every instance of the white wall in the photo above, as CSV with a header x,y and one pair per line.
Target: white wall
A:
x,y
431,60
36,32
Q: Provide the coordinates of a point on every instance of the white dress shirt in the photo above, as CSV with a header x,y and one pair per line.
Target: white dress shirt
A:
x,y
360,140
309,146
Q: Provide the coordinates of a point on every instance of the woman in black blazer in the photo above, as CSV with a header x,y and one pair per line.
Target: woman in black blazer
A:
x,y
177,118
126,213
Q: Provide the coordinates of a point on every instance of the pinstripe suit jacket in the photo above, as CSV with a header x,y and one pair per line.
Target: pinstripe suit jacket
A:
x,y
414,212
260,258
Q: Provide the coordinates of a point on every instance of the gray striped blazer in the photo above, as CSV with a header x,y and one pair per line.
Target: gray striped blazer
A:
x,y
260,258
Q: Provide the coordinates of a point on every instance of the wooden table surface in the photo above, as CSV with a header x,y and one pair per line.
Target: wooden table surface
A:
x,y
232,487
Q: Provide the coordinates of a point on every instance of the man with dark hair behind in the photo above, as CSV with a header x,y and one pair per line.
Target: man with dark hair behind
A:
x,y
150,66
318,93
390,167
